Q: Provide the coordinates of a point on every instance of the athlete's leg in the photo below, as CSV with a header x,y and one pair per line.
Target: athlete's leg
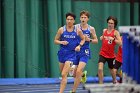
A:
x,y
112,70
100,72
117,65
113,74
119,73
79,72
64,73
84,59
101,63
61,65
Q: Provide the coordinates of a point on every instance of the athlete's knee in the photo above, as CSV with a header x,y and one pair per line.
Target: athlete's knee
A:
x,y
78,73
100,65
113,71
74,75
64,78
100,71
64,75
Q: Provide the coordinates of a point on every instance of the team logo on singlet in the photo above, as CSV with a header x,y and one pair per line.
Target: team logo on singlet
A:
x,y
87,51
109,41
87,35
69,36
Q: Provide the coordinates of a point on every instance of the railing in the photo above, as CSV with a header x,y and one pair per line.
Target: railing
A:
x,y
131,53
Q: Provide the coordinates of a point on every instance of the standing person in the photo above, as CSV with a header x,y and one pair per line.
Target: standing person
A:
x,y
67,36
118,63
84,54
110,38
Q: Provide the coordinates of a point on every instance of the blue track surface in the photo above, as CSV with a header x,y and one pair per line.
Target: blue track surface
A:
x,y
42,85
47,88
18,81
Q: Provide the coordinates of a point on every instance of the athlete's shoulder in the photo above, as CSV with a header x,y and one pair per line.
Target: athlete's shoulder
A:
x,y
116,33
77,26
105,29
116,30
91,27
60,30
78,30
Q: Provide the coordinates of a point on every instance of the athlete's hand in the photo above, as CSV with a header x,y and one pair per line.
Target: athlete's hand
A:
x,y
110,38
101,37
64,42
87,38
77,48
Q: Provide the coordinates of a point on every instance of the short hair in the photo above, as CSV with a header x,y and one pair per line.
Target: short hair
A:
x,y
71,14
114,19
85,12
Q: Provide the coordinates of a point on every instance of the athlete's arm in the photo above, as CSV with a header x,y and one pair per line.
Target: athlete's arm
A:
x,y
57,37
93,35
117,38
101,37
80,33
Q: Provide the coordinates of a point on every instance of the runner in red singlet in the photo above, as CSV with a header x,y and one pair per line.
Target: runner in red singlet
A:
x,y
110,38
